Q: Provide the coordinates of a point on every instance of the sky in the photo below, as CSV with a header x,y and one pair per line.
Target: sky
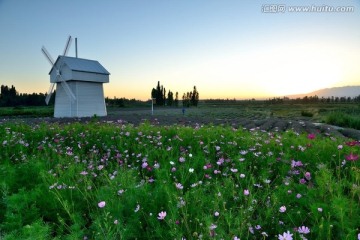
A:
x,y
226,48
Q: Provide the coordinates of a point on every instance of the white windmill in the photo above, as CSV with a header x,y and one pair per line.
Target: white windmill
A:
x,y
79,85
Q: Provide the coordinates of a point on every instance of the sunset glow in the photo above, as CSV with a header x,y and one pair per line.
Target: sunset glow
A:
x,y
227,49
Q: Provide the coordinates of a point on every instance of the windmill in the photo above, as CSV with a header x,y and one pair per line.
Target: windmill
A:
x,y
79,85
58,73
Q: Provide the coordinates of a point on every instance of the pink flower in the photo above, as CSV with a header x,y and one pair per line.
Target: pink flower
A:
x,y
282,209
101,204
216,214
246,192
352,157
307,176
303,230
162,215
286,236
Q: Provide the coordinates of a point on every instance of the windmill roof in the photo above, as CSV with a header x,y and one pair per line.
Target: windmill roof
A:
x,y
82,65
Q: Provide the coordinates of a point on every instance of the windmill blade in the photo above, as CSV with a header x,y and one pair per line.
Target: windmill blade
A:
x,y
47,55
49,93
67,46
67,89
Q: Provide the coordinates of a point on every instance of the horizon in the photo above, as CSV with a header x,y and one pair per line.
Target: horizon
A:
x,y
226,49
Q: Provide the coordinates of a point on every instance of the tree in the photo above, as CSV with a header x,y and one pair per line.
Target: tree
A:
x,y
176,102
170,98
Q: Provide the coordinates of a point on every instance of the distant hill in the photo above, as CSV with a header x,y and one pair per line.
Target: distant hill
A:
x,y
348,91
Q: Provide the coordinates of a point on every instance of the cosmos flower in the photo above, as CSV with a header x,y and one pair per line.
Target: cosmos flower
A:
x,y
303,230
179,186
311,136
352,157
285,236
282,209
101,204
161,215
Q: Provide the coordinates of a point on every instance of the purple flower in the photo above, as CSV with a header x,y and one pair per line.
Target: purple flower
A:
x,y
286,236
307,176
179,186
101,204
161,215
303,230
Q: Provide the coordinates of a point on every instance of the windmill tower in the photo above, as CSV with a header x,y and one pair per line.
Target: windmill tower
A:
x,y
79,85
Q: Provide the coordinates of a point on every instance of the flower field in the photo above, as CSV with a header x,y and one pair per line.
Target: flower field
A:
x,y
118,181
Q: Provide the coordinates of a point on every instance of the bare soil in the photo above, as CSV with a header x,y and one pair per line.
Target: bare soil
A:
x,y
192,118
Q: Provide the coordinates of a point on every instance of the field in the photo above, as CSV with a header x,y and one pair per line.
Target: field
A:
x,y
258,173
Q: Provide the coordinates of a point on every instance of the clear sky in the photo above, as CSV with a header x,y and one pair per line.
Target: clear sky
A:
x,y
227,48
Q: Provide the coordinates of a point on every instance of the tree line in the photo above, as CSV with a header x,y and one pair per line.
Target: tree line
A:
x,y
9,97
167,99
316,99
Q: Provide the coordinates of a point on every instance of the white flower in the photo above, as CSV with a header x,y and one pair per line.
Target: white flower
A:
x,y
137,208
191,170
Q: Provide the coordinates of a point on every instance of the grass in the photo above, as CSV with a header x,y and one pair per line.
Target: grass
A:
x,y
47,111
116,181
343,120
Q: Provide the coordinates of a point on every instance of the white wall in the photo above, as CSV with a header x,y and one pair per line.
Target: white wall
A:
x,y
89,101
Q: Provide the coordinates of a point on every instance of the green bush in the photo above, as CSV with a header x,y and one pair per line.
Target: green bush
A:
x,y
305,113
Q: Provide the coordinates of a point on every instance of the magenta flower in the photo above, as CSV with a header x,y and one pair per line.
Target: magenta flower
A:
x,y
352,157
311,136
101,204
303,230
161,215
352,143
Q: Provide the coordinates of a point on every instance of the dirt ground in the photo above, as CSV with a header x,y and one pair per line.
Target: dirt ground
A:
x,y
193,118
